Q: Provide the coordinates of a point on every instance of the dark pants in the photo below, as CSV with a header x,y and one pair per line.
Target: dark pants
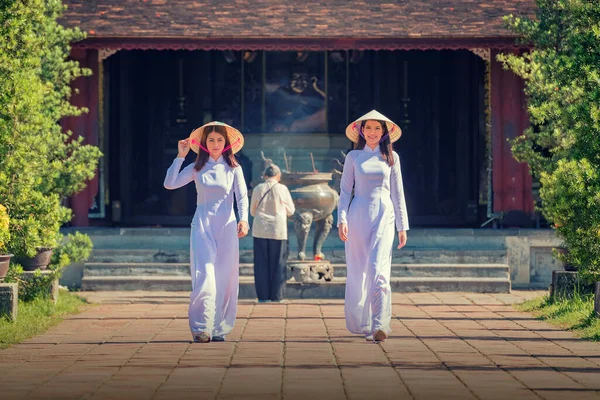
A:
x,y
270,257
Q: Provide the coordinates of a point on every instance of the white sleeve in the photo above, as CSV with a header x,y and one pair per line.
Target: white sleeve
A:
x,y
346,186
397,195
241,193
176,179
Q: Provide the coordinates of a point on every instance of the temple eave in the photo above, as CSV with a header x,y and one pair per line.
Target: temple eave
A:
x,y
291,44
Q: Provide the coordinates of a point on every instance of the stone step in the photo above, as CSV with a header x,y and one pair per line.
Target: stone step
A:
x,y
137,269
295,290
178,238
408,255
441,270
149,269
443,284
247,269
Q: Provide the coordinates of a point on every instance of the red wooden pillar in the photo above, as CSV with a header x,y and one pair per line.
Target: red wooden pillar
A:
x,y
85,125
512,184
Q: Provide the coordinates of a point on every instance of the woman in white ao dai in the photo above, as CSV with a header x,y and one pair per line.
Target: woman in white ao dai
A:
x,y
214,237
368,223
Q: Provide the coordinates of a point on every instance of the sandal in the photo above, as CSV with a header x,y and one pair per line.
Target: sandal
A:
x,y
379,336
201,337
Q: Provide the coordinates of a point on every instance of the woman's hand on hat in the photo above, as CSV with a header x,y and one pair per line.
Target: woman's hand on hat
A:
x,y
183,148
402,239
242,229
343,231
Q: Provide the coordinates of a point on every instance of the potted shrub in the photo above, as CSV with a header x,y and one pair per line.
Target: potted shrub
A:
x,y
4,238
49,239
40,260
72,248
36,232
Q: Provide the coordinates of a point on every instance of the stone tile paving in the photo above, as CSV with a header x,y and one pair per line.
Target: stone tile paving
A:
x,y
136,345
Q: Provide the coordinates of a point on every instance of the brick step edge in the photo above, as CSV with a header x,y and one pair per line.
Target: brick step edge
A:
x,y
333,289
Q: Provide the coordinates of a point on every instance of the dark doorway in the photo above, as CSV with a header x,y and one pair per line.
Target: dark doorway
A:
x,y
438,99
154,98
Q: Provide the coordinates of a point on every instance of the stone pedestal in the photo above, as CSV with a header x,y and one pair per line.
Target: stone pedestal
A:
x,y
566,283
52,290
597,300
311,271
9,296
72,275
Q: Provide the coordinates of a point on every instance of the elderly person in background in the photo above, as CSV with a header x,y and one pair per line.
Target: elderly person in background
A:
x,y
271,205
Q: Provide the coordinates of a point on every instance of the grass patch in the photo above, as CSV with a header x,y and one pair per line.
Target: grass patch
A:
x,y
574,314
38,316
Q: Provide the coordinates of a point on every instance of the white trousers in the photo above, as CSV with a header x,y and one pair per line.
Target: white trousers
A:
x,y
215,279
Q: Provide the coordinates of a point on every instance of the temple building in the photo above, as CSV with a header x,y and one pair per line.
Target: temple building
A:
x,y
291,75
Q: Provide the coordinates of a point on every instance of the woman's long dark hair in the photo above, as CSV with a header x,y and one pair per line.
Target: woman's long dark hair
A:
x,y
203,156
385,146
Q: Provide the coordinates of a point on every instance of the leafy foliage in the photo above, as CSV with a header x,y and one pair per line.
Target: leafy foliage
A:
x,y
562,146
571,195
40,165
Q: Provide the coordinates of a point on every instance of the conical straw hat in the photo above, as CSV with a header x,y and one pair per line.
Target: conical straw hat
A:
x,y
235,137
353,130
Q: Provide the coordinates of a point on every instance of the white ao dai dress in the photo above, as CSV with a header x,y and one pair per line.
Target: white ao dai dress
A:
x,y
377,206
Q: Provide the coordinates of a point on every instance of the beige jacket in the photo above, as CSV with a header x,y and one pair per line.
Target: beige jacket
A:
x,y
270,217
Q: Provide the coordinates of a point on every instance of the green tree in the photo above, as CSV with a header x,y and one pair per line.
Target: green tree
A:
x,y
21,115
71,164
40,164
562,146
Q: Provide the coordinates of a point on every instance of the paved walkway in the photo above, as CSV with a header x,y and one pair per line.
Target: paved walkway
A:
x,y
136,345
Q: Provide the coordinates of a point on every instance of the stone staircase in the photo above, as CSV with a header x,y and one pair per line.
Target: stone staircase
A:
x,y
435,260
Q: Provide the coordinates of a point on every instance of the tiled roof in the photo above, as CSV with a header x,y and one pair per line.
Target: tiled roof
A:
x,y
291,19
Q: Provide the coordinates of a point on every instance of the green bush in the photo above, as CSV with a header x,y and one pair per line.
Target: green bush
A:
x,y
562,146
74,248
571,195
